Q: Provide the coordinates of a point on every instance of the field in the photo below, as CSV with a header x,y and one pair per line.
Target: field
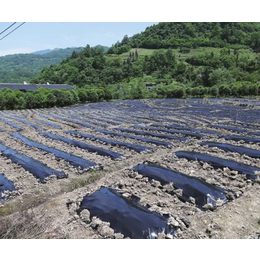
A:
x,y
139,169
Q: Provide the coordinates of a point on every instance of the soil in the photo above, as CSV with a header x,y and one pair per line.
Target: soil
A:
x,y
49,210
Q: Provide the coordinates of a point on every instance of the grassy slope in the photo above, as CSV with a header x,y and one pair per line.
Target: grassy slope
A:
x,y
182,56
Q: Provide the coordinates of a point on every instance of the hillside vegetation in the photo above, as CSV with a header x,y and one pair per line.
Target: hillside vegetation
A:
x,y
17,68
177,59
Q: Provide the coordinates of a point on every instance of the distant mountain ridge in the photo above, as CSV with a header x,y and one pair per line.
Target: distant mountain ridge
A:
x,y
45,51
16,68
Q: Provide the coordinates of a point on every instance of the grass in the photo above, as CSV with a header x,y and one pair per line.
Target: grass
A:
x,y
81,182
182,56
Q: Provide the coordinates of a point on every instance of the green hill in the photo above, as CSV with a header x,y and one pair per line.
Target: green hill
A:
x,y
21,67
193,35
167,60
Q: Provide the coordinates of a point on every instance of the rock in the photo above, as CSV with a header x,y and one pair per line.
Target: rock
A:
x,y
173,222
105,231
178,192
161,236
192,200
95,222
169,236
85,216
118,236
208,206
169,187
219,202
257,180
126,195
138,177
155,183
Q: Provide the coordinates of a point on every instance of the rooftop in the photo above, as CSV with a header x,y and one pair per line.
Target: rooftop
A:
x,y
26,86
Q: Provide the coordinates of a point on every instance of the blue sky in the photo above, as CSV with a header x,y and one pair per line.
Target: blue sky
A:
x,y
34,36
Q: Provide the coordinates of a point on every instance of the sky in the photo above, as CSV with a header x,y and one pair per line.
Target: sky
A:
x,y
35,36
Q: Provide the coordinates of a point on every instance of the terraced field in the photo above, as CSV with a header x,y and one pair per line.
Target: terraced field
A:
x,y
132,169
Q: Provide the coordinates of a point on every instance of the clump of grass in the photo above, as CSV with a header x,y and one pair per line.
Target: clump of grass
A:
x,y
20,225
81,182
28,203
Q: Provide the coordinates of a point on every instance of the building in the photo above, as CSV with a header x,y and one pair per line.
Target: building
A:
x,y
27,87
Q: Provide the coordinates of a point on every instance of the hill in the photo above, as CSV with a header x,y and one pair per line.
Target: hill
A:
x,y
201,59
45,51
193,35
21,67
224,65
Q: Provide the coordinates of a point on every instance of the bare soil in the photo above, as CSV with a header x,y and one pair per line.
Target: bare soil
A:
x,y
49,210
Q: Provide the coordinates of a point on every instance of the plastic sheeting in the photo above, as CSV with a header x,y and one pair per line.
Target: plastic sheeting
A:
x,y
232,148
90,148
216,162
16,127
196,135
246,139
146,140
48,123
171,137
137,148
38,169
201,191
72,159
229,128
5,184
125,216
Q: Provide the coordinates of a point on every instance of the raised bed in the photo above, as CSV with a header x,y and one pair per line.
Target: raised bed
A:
x,y
217,162
48,123
203,192
196,135
72,159
35,167
15,126
125,216
146,140
137,148
246,139
88,147
233,148
171,137
5,185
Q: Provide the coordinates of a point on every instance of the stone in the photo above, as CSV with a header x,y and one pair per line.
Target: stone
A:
x,y
105,231
85,216
161,236
95,222
173,222
118,236
208,206
192,200
169,236
178,192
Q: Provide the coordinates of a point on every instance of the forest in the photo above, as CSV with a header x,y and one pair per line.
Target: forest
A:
x,y
17,68
179,60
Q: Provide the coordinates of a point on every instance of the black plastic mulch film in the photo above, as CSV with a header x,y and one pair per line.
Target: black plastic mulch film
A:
x,y
125,216
137,148
246,139
203,192
233,148
146,140
183,139
196,135
5,185
72,159
216,162
35,167
90,148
